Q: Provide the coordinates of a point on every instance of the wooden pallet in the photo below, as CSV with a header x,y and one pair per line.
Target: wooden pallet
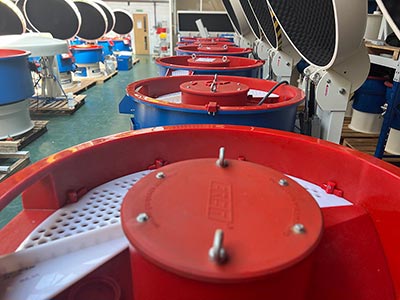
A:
x,y
383,49
349,133
80,86
100,79
19,142
368,145
10,163
60,107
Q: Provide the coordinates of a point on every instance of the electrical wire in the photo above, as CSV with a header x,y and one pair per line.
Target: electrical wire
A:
x,y
271,91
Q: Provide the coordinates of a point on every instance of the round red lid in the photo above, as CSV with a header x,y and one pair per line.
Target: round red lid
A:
x,y
173,216
217,48
224,93
214,61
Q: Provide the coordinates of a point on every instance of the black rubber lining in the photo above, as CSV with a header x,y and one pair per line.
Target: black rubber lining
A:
x,y
123,23
55,16
393,8
9,21
231,14
261,10
251,18
93,24
310,25
110,21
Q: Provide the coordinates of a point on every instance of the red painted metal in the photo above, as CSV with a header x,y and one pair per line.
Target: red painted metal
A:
x,y
201,61
148,89
257,222
203,40
86,47
209,61
224,93
203,50
357,257
10,53
211,48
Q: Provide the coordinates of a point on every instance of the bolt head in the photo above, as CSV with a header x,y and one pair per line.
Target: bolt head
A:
x,y
160,175
299,228
143,217
283,182
342,91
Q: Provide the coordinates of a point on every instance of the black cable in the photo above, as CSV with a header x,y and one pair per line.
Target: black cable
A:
x,y
271,91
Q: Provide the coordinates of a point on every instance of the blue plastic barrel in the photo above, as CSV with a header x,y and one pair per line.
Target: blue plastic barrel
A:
x,y
87,54
370,96
389,94
16,81
152,112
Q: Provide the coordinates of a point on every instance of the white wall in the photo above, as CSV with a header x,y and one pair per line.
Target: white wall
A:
x,y
157,13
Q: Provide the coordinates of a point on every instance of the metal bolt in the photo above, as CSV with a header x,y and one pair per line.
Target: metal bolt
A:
x,y
283,182
299,228
217,253
160,175
328,81
342,91
288,64
143,217
221,162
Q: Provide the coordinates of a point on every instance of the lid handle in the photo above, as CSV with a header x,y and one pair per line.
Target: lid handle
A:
x,y
217,253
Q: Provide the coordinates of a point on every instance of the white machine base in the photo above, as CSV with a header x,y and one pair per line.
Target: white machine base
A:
x,y
393,143
15,119
366,122
88,70
66,79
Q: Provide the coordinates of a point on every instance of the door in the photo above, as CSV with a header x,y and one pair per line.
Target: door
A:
x,y
141,33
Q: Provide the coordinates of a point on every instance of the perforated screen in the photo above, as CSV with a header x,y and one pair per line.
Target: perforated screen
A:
x,y
93,24
263,16
231,13
123,22
62,22
10,22
251,18
310,25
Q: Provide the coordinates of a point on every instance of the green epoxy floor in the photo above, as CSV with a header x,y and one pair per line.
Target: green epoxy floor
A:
x,y
98,117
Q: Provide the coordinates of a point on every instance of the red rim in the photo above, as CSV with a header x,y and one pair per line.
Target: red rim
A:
x,y
13,53
289,95
86,47
236,63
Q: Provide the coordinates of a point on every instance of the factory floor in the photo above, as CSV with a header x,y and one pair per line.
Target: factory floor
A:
x,y
98,117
